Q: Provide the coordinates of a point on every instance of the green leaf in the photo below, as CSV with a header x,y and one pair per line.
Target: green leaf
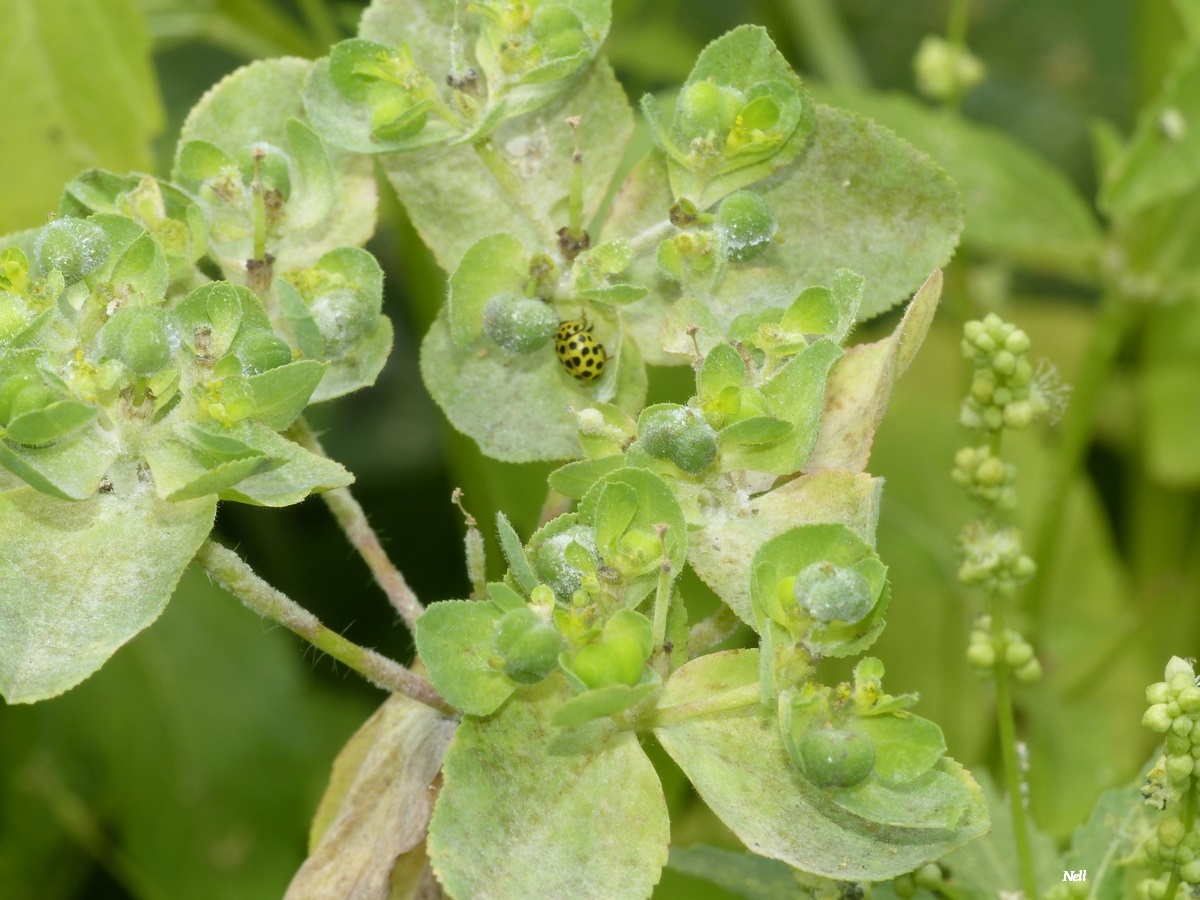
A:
x,y
905,746
61,616
935,799
71,469
747,875
796,395
281,394
1160,160
1106,838
990,864
494,265
514,553
453,197
112,751
300,473
576,478
860,386
721,550
81,90
527,810
455,640
1019,208
633,501
738,764
57,420
857,198
330,204
516,408
378,802
602,702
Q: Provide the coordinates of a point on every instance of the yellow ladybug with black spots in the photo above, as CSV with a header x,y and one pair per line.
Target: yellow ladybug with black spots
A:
x,y
579,351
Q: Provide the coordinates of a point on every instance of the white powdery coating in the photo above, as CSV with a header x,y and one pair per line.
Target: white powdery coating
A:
x,y
564,578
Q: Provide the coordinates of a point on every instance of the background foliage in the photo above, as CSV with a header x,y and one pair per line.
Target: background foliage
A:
x,y
191,764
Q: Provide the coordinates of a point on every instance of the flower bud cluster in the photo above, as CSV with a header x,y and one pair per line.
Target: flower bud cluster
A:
x,y
983,650
1003,391
986,477
945,71
1173,847
994,558
1174,712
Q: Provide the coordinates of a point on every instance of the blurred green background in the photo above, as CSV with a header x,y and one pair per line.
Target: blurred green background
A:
x,y
190,765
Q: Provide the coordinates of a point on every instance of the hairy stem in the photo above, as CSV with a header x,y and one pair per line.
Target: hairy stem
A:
x,y
231,572
1008,749
824,42
350,516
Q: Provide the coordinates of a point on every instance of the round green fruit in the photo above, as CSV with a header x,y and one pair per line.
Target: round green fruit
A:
x,y
529,646
746,225
836,757
75,247
519,324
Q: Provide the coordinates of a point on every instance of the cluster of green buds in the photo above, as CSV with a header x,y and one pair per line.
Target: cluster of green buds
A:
x,y
946,71
994,558
985,646
986,477
1004,392
1173,847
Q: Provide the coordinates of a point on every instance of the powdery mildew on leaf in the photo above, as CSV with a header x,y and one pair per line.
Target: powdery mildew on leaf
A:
x,y
529,810
79,579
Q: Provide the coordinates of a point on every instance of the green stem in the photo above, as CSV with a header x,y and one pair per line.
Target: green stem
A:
x,y
83,827
270,23
956,26
1008,749
662,604
320,21
353,521
727,701
823,41
232,573
1113,323
651,237
1189,823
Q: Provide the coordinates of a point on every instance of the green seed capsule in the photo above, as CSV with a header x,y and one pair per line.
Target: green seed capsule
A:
x,y
830,592
262,351
519,324
835,757
612,660
746,225
681,436
75,247
529,646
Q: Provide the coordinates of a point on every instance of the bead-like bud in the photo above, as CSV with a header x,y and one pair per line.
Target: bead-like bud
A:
x,y
1157,719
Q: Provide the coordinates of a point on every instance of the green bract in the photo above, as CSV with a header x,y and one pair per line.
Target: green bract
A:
x,y
741,115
